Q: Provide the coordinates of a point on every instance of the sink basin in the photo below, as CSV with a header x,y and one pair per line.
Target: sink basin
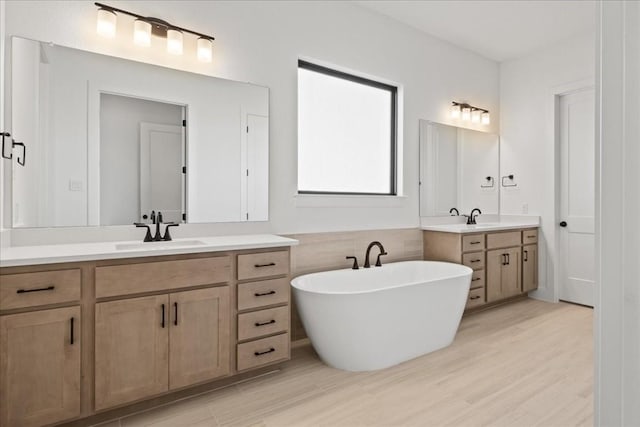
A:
x,y
158,245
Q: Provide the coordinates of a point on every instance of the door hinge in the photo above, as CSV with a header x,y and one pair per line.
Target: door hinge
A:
x,y
247,129
184,123
247,172
184,216
184,169
247,216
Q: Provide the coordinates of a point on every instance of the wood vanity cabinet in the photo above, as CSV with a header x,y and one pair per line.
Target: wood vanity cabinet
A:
x,y
153,327
40,367
505,263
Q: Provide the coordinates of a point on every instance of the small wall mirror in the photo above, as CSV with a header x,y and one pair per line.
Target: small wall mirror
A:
x,y
110,140
459,168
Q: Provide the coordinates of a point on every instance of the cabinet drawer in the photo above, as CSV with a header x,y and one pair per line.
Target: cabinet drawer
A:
x,y
157,276
264,322
254,354
475,260
529,236
262,294
477,279
473,243
264,264
33,289
475,298
503,240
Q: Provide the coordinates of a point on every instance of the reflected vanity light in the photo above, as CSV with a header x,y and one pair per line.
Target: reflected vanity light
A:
x,y
467,112
106,25
145,26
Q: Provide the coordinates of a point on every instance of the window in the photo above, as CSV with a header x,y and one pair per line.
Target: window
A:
x,y
346,133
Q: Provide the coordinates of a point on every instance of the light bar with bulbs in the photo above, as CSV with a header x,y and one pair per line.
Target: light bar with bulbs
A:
x,y
145,26
466,112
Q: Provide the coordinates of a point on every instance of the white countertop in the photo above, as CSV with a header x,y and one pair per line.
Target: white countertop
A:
x,y
50,254
482,227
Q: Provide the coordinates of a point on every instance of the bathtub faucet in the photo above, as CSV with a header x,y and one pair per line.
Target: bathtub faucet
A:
x,y
366,257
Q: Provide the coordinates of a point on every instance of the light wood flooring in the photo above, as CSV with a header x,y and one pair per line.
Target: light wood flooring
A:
x,y
523,364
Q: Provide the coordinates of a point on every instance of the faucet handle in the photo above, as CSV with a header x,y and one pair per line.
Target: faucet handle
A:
x,y
167,236
355,262
147,237
378,263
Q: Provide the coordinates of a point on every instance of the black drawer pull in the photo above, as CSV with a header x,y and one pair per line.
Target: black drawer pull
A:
x,y
260,353
175,314
71,331
526,256
26,291
270,322
262,294
476,279
531,237
271,264
475,260
162,316
475,243
475,297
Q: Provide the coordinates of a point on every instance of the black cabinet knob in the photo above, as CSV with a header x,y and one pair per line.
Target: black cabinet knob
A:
x,y
563,224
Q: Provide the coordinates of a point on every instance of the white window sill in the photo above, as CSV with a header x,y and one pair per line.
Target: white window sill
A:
x,y
348,201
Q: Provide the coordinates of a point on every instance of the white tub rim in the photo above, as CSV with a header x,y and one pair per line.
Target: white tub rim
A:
x,y
462,270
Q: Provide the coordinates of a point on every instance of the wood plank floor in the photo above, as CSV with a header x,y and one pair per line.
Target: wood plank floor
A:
x,y
523,364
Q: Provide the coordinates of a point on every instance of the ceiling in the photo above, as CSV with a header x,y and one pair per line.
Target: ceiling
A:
x,y
496,29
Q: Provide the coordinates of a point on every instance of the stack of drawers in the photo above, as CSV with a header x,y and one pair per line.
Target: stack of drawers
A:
x,y
473,256
263,309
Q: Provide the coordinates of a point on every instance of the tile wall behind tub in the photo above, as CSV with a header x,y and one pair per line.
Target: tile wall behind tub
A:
x,y
327,251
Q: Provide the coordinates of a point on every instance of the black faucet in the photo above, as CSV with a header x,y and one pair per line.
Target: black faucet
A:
x,y
157,220
355,262
366,257
471,218
454,209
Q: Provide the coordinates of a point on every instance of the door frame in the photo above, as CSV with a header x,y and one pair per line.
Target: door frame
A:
x,y
555,94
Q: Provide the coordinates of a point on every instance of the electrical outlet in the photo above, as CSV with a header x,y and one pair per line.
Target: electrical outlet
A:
x,y
75,185
525,208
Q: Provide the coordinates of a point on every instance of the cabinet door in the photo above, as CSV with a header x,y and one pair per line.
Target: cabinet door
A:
x,y
511,279
530,268
495,261
40,367
132,341
199,336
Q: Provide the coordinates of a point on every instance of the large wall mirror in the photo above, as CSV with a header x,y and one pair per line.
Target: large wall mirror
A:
x,y
109,140
459,168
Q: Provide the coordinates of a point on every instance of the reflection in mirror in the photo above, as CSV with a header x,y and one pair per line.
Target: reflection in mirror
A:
x,y
459,168
141,157
107,144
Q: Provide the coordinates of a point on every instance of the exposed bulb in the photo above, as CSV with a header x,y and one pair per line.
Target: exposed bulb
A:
x,y
174,42
106,25
142,33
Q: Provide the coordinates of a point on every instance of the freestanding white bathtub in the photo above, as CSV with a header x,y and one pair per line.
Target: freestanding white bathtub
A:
x,y
368,319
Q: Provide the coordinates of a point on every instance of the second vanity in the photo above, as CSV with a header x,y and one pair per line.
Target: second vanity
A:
x,y
107,329
503,256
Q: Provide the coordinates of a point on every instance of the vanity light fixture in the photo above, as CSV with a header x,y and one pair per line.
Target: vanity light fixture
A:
x,y
145,26
466,112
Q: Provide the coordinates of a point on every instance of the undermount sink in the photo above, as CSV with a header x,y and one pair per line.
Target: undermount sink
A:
x,y
158,245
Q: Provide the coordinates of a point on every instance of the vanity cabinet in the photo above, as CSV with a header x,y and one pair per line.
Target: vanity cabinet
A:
x,y
146,346
504,263
152,329
40,362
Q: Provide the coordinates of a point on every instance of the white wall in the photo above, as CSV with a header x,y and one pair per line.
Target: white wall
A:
x,y
261,42
120,119
617,316
527,149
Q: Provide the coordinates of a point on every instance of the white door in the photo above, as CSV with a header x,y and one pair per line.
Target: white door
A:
x,y
257,168
577,197
161,161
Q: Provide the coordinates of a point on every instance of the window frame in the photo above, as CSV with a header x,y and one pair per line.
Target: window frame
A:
x,y
393,187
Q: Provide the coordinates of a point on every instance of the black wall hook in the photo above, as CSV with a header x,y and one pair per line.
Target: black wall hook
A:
x,y
20,159
510,178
